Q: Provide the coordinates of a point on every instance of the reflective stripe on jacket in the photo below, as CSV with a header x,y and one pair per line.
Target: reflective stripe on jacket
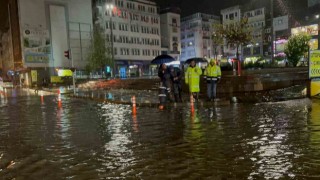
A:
x,y
192,78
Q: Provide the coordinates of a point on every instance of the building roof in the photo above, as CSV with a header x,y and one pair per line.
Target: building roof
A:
x,y
200,15
175,10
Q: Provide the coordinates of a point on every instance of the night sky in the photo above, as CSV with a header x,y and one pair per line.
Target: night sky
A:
x,y
206,6
214,6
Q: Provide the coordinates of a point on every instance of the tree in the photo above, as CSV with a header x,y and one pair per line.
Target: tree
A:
x,y
296,47
217,41
99,52
237,33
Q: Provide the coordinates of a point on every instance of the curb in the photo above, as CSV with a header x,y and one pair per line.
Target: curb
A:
x,y
156,105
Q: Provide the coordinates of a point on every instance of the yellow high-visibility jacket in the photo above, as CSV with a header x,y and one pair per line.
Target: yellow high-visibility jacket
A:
x,y
192,78
212,72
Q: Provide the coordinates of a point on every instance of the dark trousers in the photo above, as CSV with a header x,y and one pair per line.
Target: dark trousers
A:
x,y
164,94
177,92
212,89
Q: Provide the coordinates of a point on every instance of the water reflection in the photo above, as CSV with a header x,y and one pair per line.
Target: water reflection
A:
x,y
87,140
117,153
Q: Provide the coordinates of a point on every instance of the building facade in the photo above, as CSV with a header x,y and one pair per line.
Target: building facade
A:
x,y
135,27
281,33
42,31
170,33
196,36
10,44
313,2
256,22
230,15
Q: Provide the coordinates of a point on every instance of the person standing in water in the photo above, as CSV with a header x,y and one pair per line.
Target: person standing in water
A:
x,y
192,79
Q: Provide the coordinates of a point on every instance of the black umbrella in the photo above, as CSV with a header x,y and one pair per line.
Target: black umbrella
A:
x,y
162,59
196,59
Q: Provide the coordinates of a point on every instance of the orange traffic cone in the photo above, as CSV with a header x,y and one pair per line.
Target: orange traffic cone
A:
x,y
192,104
41,96
134,106
59,99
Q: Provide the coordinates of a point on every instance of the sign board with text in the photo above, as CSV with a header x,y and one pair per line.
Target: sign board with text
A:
x,y
36,45
314,64
311,30
34,75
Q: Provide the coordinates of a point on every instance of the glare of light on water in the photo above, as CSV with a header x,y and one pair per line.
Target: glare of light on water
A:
x,y
117,147
271,155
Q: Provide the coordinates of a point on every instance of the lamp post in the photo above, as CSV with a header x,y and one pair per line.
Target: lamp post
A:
x,y
272,33
318,23
109,7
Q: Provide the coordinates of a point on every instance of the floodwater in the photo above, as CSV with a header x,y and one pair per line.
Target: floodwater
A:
x,y
90,140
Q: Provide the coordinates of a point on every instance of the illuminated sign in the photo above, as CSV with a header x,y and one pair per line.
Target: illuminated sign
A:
x,y
280,44
34,75
313,44
64,72
310,30
314,67
56,79
315,87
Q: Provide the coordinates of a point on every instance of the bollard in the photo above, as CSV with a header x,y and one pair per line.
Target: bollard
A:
x,y
191,104
134,107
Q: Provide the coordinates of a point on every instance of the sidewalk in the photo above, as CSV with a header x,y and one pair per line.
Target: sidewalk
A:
x,y
255,86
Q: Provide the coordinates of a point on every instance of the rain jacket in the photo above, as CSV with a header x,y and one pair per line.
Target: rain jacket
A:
x,y
192,78
212,72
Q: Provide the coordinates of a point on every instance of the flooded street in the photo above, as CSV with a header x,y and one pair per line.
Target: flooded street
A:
x,y
89,140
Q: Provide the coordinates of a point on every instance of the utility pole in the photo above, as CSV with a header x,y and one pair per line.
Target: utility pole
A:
x,y
110,7
272,32
73,73
112,53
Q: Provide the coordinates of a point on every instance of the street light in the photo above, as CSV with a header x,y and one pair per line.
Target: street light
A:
x,y
272,33
109,7
318,23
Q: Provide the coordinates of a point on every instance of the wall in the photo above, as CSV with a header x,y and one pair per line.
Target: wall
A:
x,y
228,50
281,23
47,25
6,57
313,2
126,51
170,30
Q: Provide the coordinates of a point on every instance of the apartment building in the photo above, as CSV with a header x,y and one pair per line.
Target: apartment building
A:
x,y
170,33
196,36
230,15
41,32
135,27
257,22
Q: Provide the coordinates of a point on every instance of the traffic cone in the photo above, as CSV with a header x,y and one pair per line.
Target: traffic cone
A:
x,y
161,107
134,106
192,104
41,96
59,99
135,123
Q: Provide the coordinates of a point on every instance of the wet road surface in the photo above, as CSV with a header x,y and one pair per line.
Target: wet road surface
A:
x,y
89,140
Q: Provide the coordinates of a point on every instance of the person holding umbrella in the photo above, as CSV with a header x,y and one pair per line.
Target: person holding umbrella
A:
x,y
192,79
176,76
213,75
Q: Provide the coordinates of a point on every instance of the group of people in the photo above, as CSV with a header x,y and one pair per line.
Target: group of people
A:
x,y
170,78
170,84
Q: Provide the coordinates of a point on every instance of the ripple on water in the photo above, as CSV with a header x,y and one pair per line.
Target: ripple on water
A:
x,y
86,140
